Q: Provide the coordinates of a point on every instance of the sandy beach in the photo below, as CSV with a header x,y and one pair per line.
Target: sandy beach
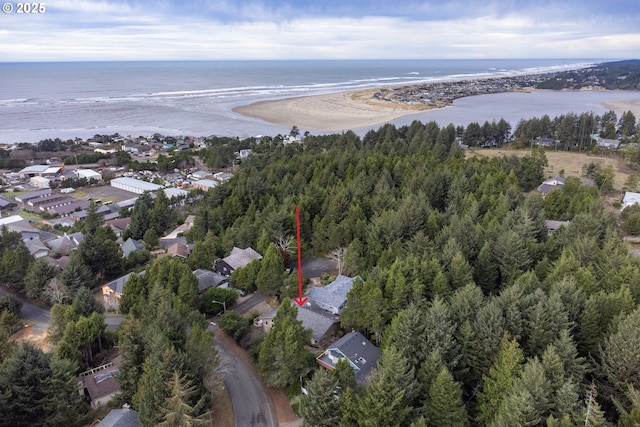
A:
x,y
330,112
353,110
620,107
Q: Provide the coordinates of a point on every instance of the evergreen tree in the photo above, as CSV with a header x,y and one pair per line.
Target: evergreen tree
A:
x,y
140,217
153,389
160,215
501,377
132,349
485,273
444,406
22,395
528,401
620,357
321,407
36,277
85,303
62,404
76,274
283,358
270,278
177,409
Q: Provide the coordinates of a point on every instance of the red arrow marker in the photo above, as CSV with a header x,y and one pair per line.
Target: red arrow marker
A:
x,y
300,301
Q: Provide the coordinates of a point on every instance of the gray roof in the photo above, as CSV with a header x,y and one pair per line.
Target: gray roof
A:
x,y
361,353
118,284
334,294
124,417
545,188
28,196
130,245
6,202
208,279
35,245
553,225
319,321
65,244
241,257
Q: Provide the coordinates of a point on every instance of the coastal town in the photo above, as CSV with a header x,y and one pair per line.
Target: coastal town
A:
x,y
442,94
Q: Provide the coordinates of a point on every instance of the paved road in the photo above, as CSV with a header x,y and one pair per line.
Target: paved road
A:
x,y
251,406
31,312
41,315
249,303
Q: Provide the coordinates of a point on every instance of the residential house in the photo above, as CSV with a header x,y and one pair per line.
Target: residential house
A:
x,y
630,198
130,246
66,244
112,291
118,225
36,248
332,297
238,258
361,354
125,417
178,250
612,144
553,225
99,384
322,324
551,184
544,141
209,279
243,154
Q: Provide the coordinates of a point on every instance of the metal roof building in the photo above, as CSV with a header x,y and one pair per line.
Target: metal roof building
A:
x,y
133,185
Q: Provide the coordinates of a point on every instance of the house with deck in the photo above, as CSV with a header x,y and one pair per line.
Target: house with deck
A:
x,y
360,352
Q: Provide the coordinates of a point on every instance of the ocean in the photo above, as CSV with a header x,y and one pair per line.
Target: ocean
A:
x,y
81,99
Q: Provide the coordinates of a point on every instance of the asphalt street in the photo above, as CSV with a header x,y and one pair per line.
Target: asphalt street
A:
x,y
38,316
251,406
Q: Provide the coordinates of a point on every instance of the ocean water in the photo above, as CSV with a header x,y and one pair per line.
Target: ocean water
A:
x,y
67,100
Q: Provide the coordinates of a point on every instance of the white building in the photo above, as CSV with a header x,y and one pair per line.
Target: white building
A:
x,y
133,185
206,184
88,174
40,181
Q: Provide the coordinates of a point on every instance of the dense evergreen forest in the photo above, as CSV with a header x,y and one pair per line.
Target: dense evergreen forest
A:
x,y
482,316
620,75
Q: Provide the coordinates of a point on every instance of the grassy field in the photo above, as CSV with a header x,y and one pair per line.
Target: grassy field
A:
x,y
571,163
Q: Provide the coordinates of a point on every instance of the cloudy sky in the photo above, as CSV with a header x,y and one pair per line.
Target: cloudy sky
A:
x,y
89,30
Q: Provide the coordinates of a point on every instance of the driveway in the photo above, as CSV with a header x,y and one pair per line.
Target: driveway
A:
x,y
314,267
251,406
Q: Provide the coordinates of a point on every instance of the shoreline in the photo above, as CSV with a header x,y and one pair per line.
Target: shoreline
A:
x,y
374,107
338,111
352,110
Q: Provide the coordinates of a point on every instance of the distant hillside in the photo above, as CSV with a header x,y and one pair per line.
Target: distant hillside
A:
x,y
621,75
